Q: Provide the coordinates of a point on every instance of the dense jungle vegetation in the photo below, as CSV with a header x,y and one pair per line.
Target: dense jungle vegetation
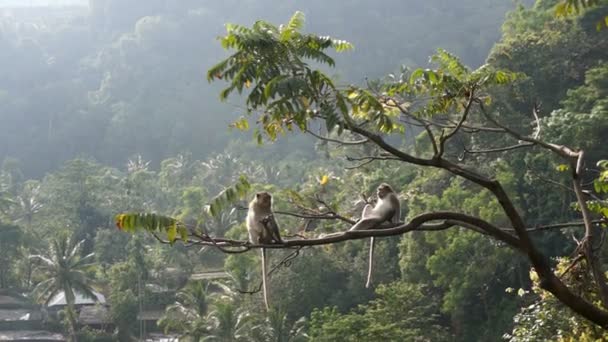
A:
x,y
164,118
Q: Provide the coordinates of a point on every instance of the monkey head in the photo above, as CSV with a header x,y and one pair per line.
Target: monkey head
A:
x,y
383,190
263,199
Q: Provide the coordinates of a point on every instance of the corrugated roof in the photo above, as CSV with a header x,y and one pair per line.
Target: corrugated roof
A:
x,y
209,275
154,337
11,315
94,314
150,315
32,335
80,299
7,300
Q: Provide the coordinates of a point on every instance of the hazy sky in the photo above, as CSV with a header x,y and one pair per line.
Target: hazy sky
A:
x,y
28,3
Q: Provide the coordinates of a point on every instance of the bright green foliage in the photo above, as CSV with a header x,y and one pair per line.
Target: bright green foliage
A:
x,y
65,270
132,222
229,196
273,61
401,312
601,183
567,7
289,93
450,84
575,7
545,319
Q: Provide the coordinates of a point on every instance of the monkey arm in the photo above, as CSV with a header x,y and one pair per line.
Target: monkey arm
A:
x,y
367,223
272,228
367,211
397,216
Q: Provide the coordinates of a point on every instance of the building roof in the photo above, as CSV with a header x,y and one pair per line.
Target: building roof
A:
x,y
30,335
12,300
80,299
155,288
155,337
11,315
209,275
150,315
94,315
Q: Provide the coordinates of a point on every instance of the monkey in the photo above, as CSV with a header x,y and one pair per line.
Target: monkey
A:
x,y
263,229
387,208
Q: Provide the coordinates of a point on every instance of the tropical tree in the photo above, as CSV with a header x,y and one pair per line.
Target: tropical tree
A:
x,y
402,312
570,7
450,103
275,326
228,320
188,315
66,271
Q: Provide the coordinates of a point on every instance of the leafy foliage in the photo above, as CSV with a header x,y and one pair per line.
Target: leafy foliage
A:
x,y
402,312
570,7
188,315
545,319
64,270
132,222
289,93
272,60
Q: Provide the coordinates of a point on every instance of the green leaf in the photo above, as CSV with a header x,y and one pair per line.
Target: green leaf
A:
x,y
172,233
295,24
562,167
417,74
183,233
242,124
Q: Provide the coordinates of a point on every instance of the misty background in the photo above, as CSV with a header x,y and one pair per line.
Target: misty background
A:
x,y
115,78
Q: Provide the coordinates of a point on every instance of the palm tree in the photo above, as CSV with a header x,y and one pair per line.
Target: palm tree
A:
x,y
276,327
65,270
188,315
228,322
196,320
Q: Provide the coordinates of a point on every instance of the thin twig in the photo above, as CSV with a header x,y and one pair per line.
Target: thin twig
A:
x,y
341,142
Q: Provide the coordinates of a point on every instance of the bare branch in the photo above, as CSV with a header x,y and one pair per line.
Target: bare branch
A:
x,y
285,262
498,149
366,160
550,181
455,130
322,216
557,226
340,142
558,149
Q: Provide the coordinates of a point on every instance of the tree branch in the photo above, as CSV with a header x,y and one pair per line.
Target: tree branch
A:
x,y
498,149
463,118
340,142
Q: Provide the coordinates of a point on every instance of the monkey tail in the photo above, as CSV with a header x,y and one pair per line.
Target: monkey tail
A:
x,y
264,287
371,263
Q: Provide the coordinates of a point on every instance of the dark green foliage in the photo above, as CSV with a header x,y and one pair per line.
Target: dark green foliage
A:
x,y
401,312
11,238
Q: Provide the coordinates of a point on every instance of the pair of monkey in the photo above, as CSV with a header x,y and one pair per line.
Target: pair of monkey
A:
x,y
263,229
